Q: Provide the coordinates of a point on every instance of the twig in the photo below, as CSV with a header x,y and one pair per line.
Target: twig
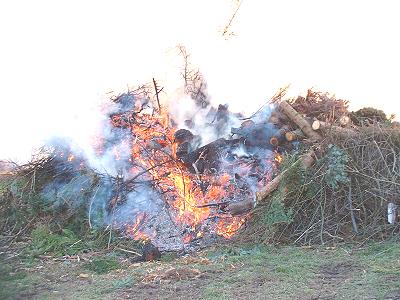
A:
x,y
75,243
147,170
353,219
90,206
231,19
213,204
21,231
128,251
157,91
307,230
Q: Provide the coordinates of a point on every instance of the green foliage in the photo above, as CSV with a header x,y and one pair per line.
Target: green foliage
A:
x,y
367,115
294,176
277,214
295,181
336,167
72,194
18,205
70,242
280,209
102,265
46,242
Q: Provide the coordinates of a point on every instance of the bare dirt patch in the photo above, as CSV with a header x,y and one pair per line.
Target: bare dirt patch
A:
x,y
331,276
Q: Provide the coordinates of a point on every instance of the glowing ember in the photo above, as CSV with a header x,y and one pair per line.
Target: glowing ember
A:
x,y
278,158
134,230
228,228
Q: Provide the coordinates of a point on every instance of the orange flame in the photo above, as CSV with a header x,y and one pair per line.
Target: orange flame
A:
x,y
278,158
228,229
153,152
134,229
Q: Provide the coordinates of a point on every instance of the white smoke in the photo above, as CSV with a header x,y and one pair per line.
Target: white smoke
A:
x,y
60,59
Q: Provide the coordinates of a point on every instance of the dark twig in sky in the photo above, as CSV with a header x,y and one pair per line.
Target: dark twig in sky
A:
x,y
231,19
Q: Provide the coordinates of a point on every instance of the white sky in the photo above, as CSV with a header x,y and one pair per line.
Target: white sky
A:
x,y
59,58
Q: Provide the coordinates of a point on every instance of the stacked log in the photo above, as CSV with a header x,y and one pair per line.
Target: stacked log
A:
x,y
296,118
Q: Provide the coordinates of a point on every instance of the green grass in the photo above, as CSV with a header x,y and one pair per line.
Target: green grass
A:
x,y
14,282
46,242
373,271
102,265
123,282
379,271
288,269
232,272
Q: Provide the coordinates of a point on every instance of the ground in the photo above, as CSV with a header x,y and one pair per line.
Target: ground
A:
x,y
225,272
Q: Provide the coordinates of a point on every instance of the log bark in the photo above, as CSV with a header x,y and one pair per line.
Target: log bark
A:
x,y
307,160
320,125
350,132
240,207
299,120
277,118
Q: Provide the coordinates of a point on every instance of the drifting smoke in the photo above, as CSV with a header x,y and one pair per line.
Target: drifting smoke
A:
x,y
119,180
57,73
54,70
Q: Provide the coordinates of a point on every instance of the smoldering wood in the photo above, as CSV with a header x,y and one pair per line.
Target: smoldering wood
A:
x,y
208,157
255,135
278,118
244,206
294,135
279,136
216,204
240,207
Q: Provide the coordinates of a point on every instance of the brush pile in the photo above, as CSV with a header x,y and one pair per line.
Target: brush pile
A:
x,y
343,185
308,171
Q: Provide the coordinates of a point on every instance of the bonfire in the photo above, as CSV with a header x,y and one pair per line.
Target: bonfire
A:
x,y
179,184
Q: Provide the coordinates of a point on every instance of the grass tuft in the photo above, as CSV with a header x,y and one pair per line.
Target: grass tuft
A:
x,y
102,265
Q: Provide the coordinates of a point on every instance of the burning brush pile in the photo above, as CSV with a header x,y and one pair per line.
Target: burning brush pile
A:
x,y
306,169
150,176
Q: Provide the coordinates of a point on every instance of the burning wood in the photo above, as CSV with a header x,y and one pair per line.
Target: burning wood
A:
x,y
174,185
279,137
244,206
202,187
198,182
